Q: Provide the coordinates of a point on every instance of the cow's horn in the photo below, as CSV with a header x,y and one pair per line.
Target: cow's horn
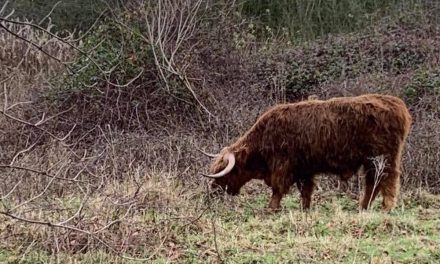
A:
x,y
208,154
228,169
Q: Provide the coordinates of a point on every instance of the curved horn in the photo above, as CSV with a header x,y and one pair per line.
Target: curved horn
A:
x,y
228,169
208,154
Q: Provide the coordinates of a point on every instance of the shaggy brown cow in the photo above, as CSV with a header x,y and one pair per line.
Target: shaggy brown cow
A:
x,y
291,143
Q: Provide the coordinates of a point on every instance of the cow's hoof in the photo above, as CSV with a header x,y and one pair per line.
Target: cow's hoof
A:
x,y
273,209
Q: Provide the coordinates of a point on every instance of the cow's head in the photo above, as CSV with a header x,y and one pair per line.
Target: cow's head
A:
x,y
231,169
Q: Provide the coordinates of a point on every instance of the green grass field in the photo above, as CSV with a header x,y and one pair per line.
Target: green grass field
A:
x,y
195,229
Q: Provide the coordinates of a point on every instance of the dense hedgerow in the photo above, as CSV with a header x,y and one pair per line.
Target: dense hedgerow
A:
x,y
106,56
388,49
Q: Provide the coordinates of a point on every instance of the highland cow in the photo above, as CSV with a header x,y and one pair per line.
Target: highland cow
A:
x,y
292,143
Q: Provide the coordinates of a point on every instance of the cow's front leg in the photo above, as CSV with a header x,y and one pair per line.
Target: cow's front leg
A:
x,y
267,181
278,192
306,186
280,183
275,200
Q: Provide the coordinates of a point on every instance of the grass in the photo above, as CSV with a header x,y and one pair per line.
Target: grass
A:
x,y
243,231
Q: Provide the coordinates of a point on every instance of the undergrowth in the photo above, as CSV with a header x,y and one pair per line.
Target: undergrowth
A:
x,y
310,19
241,230
426,82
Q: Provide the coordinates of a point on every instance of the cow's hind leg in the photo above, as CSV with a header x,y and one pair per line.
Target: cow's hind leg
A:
x,y
387,181
306,186
390,185
372,181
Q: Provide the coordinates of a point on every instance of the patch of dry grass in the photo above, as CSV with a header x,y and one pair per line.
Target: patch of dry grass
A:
x,y
171,222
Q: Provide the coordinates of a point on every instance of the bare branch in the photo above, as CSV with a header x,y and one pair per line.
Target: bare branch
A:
x,y
4,7
10,192
50,12
106,74
38,47
16,104
37,125
22,152
44,173
166,31
78,212
34,197
73,228
115,221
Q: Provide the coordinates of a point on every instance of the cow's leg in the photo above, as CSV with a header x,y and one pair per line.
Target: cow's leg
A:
x,y
371,187
390,185
343,181
278,193
306,186
275,200
267,181
389,189
280,183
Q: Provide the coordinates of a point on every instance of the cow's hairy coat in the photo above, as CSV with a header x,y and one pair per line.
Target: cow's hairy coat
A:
x,y
291,143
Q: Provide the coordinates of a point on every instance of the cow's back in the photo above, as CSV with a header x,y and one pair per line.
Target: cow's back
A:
x,y
334,134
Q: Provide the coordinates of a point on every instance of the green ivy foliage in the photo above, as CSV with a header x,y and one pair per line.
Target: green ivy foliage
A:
x,y
110,54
